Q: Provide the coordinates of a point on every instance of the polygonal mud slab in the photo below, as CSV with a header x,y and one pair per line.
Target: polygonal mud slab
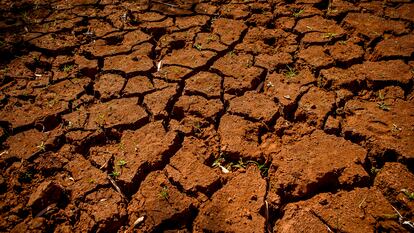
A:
x,y
109,85
159,204
157,102
317,162
197,106
229,30
103,209
132,63
315,105
396,183
346,51
361,209
84,177
137,86
373,73
316,56
236,207
240,73
189,173
205,84
289,87
50,101
318,29
116,44
404,11
26,144
373,26
256,106
116,113
239,137
209,41
262,41
55,43
395,47
139,152
388,125
189,57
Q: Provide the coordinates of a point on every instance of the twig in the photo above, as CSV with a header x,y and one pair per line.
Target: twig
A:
x,y
116,186
164,3
401,219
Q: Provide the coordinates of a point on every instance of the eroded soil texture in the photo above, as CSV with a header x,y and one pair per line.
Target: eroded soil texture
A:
x,y
206,116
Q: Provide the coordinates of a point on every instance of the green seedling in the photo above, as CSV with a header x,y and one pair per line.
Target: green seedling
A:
x,y
409,194
291,72
121,147
232,53
122,163
374,170
197,128
218,162
115,174
239,164
164,193
390,216
26,177
296,14
42,146
67,68
342,42
210,38
25,17
329,35
262,167
395,128
380,95
384,106
91,180
198,47
2,43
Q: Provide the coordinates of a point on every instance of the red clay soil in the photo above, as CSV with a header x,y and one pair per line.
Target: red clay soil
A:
x,y
206,116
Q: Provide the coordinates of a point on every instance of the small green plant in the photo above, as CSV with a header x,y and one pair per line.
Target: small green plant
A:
x,y
121,146
197,128
390,216
26,176
342,42
210,38
219,161
329,35
395,128
232,53
380,95
67,68
262,167
2,43
25,17
100,120
42,146
115,174
297,13
164,193
374,170
291,72
409,194
384,106
91,180
198,47
240,164
122,163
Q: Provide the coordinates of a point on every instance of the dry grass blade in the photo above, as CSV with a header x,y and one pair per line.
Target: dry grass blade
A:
x,y
116,186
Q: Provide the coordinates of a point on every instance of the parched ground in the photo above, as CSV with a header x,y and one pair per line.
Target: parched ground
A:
x,y
206,116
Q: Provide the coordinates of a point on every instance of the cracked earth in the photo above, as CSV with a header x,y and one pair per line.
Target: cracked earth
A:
x,y
206,116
